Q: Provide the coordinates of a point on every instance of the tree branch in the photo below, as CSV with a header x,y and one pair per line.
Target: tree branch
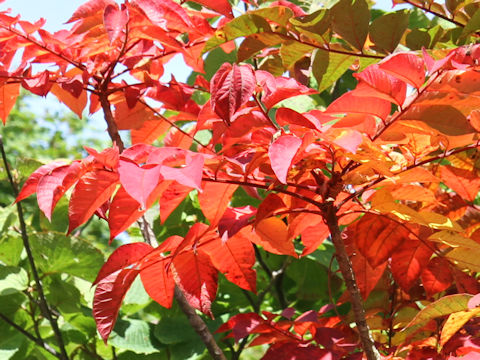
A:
x,y
111,125
46,311
348,275
199,326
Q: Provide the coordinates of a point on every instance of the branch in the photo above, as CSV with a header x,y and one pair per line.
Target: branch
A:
x,y
434,13
36,340
26,244
348,275
111,125
199,326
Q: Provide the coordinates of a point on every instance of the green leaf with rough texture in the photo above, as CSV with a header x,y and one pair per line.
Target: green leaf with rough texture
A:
x,y
279,14
445,306
134,335
387,30
12,279
11,247
174,330
244,25
292,51
350,21
308,287
57,253
418,38
328,67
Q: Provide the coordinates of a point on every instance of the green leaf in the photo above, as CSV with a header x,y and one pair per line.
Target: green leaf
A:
x,y
350,21
62,295
315,26
12,279
308,287
387,30
57,253
292,51
328,67
472,25
174,330
11,247
243,25
279,14
418,38
134,335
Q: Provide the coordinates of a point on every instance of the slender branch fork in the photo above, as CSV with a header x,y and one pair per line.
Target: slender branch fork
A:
x,y
44,307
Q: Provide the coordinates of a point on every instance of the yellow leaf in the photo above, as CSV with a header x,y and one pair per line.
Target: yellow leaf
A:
x,y
437,221
465,258
455,322
454,240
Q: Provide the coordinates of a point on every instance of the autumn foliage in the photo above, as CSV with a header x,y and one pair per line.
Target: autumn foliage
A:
x,y
383,165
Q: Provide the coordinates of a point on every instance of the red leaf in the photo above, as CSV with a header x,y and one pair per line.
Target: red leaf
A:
x,y
408,261
166,14
350,103
124,210
377,237
171,198
108,157
221,6
197,278
280,88
234,257
30,186
231,87
366,276
8,97
436,277
39,85
376,82
281,153
50,189
407,67
139,182
123,257
108,297
90,8
158,283
235,219
190,175
313,237
464,182
242,325
286,116
114,20
297,351
214,200
91,191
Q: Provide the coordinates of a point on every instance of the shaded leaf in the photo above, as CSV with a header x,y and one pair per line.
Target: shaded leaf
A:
x,y
350,20
387,30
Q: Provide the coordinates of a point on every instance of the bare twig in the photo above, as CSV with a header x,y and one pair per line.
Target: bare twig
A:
x,y
46,311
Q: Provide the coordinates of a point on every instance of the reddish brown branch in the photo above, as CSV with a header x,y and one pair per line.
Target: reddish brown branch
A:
x,y
111,125
199,326
346,269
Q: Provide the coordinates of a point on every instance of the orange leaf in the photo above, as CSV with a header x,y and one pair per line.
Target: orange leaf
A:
x,y
149,131
77,105
273,236
214,200
465,183
8,97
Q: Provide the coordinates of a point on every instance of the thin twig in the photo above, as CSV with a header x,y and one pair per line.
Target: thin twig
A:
x,y
36,340
112,127
46,311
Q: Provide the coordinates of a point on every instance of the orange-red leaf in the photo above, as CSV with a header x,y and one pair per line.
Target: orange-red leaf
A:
x,y
214,200
407,67
436,276
377,237
149,131
91,191
464,182
234,257
8,97
158,283
272,235
197,277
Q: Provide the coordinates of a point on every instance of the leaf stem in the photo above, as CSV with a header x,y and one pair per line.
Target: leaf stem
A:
x,y
46,311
